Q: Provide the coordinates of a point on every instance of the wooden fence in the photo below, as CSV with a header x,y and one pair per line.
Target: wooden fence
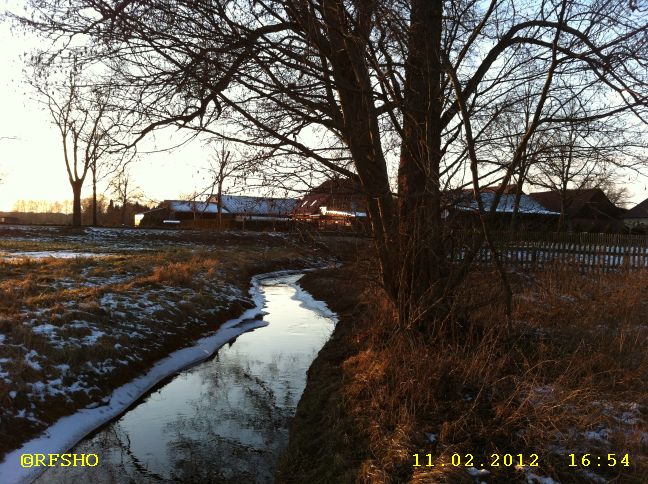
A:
x,y
603,252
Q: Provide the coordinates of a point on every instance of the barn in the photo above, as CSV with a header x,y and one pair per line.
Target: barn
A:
x,y
586,210
462,208
337,204
256,213
179,212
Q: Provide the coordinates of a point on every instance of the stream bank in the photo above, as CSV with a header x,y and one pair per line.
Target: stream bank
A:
x,y
325,443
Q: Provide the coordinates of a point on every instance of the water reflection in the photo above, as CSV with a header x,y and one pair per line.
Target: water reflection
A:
x,y
226,419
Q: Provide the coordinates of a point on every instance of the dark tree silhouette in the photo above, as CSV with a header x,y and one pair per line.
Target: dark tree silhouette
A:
x,y
81,115
350,83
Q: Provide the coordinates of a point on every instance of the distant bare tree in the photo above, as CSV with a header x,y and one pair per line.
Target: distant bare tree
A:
x,y
585,155
109,155
89,126
618,193
226,163
124,188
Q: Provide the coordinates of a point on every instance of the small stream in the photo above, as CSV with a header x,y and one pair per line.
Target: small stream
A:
x,y
224,420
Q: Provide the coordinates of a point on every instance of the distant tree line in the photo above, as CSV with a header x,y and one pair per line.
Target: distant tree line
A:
x,y
108,212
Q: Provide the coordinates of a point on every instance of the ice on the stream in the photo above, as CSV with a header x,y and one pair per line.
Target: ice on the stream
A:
x,y
474,472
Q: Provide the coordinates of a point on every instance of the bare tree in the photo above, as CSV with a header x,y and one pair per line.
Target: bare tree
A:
x,y
126,191
613,187
108,155
583,155
564,165
347,84
80,121
225,164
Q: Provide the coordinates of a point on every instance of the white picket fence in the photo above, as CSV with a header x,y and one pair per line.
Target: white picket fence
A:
x,y
538,250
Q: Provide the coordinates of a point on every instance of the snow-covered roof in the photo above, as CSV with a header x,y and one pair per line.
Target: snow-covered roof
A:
x,y
197,207
247,205
505,205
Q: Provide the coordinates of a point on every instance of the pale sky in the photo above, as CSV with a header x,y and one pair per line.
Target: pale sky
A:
x,y
31,158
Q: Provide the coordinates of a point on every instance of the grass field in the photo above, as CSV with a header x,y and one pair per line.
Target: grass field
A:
x,y
568,375
84,311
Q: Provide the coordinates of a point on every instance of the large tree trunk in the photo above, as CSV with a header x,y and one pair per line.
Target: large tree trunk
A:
x,y
422,256
411,251
363,136
76,202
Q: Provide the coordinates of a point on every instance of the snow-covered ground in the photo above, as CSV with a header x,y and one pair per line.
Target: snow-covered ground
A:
x,y
109,304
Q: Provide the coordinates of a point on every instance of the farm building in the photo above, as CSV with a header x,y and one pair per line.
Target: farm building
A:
x,y
177,212
585,210
637,217
256,212
336,204
462,208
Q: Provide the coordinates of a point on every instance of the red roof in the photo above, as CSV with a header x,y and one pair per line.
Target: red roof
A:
x,y
343,194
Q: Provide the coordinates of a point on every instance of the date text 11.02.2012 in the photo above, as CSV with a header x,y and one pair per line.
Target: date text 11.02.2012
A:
x,y
469,460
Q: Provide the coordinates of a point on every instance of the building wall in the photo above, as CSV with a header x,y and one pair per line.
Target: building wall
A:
x,y
636,222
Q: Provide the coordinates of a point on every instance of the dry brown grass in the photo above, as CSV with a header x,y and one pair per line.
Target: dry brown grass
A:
x,y
574,361
142,304
175,273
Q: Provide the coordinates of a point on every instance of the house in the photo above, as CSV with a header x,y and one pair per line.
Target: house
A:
x,y
177,212
637,217
336,204
7,219
585,210
461,207
257,212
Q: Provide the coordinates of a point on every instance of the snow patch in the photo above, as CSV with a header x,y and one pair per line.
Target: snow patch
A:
x,y
532,478
474,472
29,360
45,329
48,254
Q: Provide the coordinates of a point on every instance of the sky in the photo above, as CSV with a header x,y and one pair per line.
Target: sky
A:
x,y
31,156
